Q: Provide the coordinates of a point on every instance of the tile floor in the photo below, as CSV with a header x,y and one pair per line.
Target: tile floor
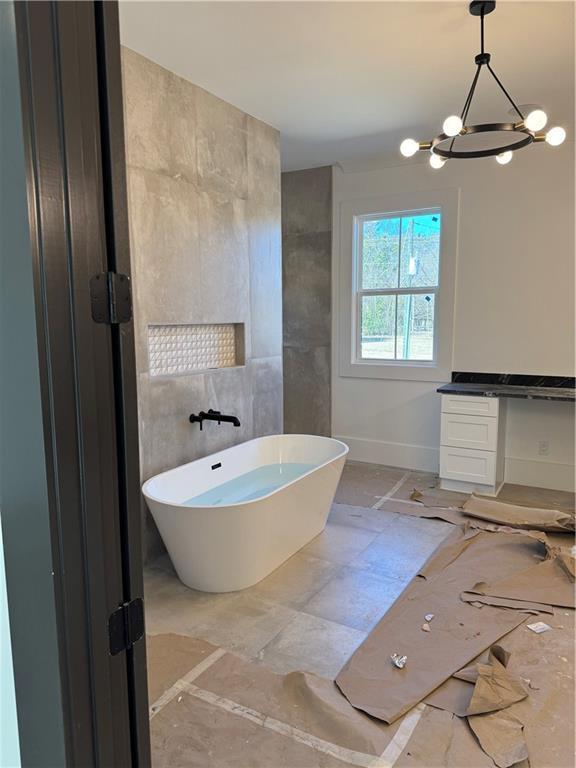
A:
x,y
313,612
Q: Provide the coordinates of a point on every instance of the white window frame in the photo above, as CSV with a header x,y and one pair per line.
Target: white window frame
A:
x,y
360,293
352,214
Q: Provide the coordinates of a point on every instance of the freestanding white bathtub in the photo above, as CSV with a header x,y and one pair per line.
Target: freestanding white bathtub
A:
x,y
229,519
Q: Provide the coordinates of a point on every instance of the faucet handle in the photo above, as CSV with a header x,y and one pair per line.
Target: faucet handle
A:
x,y
196,418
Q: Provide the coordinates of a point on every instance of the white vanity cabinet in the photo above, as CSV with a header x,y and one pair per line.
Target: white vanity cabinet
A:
x,y
472,443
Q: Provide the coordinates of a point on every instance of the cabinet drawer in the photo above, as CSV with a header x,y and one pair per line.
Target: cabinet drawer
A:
x,y
468,465
479,406
462,431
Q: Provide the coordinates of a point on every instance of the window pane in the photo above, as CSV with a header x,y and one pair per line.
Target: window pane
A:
x,y
420,251
380,244
378,324
415,327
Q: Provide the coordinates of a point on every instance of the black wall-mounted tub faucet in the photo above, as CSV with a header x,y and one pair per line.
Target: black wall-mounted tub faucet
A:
x,y
212,415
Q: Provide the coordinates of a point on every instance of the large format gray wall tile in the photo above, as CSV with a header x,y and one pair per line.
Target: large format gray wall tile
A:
x,y
165,244
165,253
307,269
263,162
266,378
307,390
307,201
307,295
160,110
222,145
167,438
229,391
265,247
204,205
264,239
224,273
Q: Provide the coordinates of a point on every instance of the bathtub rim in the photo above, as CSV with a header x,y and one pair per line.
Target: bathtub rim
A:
x,y
147,495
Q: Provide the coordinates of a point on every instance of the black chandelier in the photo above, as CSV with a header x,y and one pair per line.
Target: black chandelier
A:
x,y
525,131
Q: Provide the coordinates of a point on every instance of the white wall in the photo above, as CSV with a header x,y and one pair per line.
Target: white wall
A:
x,y
514,311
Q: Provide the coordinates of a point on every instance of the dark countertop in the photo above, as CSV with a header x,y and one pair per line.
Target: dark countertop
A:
x,y
508,390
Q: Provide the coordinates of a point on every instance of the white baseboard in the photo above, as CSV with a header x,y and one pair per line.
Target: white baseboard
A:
x,y
540,474
392,454
461,486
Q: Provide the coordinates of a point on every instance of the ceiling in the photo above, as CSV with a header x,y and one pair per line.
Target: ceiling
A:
x,y
344,82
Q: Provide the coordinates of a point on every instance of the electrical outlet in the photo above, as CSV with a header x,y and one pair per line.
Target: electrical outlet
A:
x,y
543,447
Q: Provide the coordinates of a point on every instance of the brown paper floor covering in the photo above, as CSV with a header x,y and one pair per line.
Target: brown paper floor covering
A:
x,y
235,712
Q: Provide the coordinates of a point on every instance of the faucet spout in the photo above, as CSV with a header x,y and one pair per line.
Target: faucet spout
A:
x,y
212,415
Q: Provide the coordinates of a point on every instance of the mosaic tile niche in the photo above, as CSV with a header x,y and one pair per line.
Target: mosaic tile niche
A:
x,y
179,349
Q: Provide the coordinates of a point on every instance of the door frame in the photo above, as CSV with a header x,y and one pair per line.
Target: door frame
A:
x,y
71,90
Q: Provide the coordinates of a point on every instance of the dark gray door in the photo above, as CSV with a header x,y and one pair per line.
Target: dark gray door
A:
x,y
69,63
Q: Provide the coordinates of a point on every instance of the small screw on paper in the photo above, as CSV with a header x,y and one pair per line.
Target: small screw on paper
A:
x,y
398,660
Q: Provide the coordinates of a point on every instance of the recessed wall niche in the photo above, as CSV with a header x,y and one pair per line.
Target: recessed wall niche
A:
x,y
179,349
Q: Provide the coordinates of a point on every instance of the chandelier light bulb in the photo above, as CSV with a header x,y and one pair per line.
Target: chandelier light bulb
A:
x,y
536,120
504,157
436,161
409,147
452,125
555,136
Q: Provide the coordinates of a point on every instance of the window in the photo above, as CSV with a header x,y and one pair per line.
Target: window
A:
x,y
397,276
394,279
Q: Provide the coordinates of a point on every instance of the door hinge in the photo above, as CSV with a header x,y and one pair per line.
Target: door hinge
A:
x,y
126,625
111,298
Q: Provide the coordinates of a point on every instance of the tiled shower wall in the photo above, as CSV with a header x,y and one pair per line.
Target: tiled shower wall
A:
x,y
306,275
204,207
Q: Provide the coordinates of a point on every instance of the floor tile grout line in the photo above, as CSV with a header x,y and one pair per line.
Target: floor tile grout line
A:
x,y
339,623
301,610
180,685
360,759
393,490
302,613
401,737
257,655
342,567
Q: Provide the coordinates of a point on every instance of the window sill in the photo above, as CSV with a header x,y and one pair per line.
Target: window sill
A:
x,y
401,371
